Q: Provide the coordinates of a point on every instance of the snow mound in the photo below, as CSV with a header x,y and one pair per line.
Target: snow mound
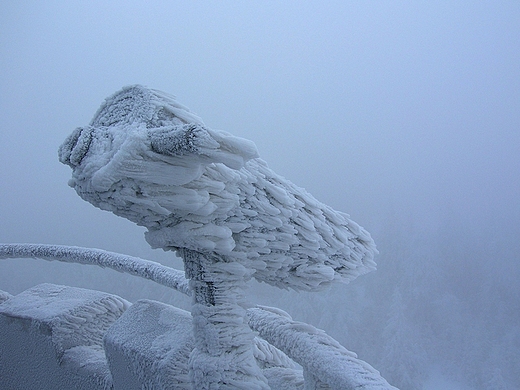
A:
x,y
145,157
62,310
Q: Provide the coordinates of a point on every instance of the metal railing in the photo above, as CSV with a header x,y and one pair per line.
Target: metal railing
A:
x,y
326,364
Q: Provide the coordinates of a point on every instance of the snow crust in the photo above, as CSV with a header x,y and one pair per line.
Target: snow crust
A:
x,y
149,347
53,335
4,296
145,157
64,310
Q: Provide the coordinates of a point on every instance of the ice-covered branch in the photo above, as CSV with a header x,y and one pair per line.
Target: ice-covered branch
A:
x,y
146,269
318,353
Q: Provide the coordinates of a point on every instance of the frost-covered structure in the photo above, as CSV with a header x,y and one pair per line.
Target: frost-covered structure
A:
x,y
64,337
208,196
145,157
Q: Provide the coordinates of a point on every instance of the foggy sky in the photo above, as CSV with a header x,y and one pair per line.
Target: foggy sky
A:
x,y
403,109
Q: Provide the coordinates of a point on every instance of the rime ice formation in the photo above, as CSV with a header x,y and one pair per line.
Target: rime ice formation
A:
x,y
224,344
148,347
145,157
147,344
4,296
208,196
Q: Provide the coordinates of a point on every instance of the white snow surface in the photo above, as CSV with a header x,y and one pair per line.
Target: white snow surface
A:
x,y
149,346
147,158
4,296
75,315
51,337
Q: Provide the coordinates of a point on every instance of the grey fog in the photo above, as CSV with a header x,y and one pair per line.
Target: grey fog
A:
x,y
404,114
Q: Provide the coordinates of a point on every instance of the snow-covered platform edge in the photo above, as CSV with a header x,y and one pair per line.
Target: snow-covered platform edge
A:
x,y
326,364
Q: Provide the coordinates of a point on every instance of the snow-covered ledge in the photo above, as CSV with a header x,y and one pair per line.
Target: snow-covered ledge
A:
x,y
325,362
51,338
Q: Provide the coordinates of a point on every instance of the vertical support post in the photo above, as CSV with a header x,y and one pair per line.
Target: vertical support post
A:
x,y
223,355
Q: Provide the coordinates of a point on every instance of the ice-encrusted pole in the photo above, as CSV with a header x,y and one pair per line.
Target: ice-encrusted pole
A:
x,y
206,195
223,354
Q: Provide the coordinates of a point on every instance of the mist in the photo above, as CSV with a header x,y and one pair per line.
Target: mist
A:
x,y
403,114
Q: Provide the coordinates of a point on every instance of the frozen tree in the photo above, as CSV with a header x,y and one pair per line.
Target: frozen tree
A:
x,y
206,195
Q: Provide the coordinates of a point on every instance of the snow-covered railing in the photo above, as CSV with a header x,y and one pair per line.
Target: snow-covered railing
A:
x,y
323,359
160,274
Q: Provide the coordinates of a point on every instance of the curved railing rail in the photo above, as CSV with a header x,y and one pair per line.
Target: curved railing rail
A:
x,y
158,273
323,359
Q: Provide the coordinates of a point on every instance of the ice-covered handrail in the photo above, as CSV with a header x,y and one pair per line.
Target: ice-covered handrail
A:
x,y
161,274
318,353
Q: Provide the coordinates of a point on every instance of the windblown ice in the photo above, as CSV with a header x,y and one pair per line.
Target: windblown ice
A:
x,y
145,157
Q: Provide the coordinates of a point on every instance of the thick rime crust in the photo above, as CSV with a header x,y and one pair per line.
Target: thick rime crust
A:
x,y
159,273
177,141
223,356
145,157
